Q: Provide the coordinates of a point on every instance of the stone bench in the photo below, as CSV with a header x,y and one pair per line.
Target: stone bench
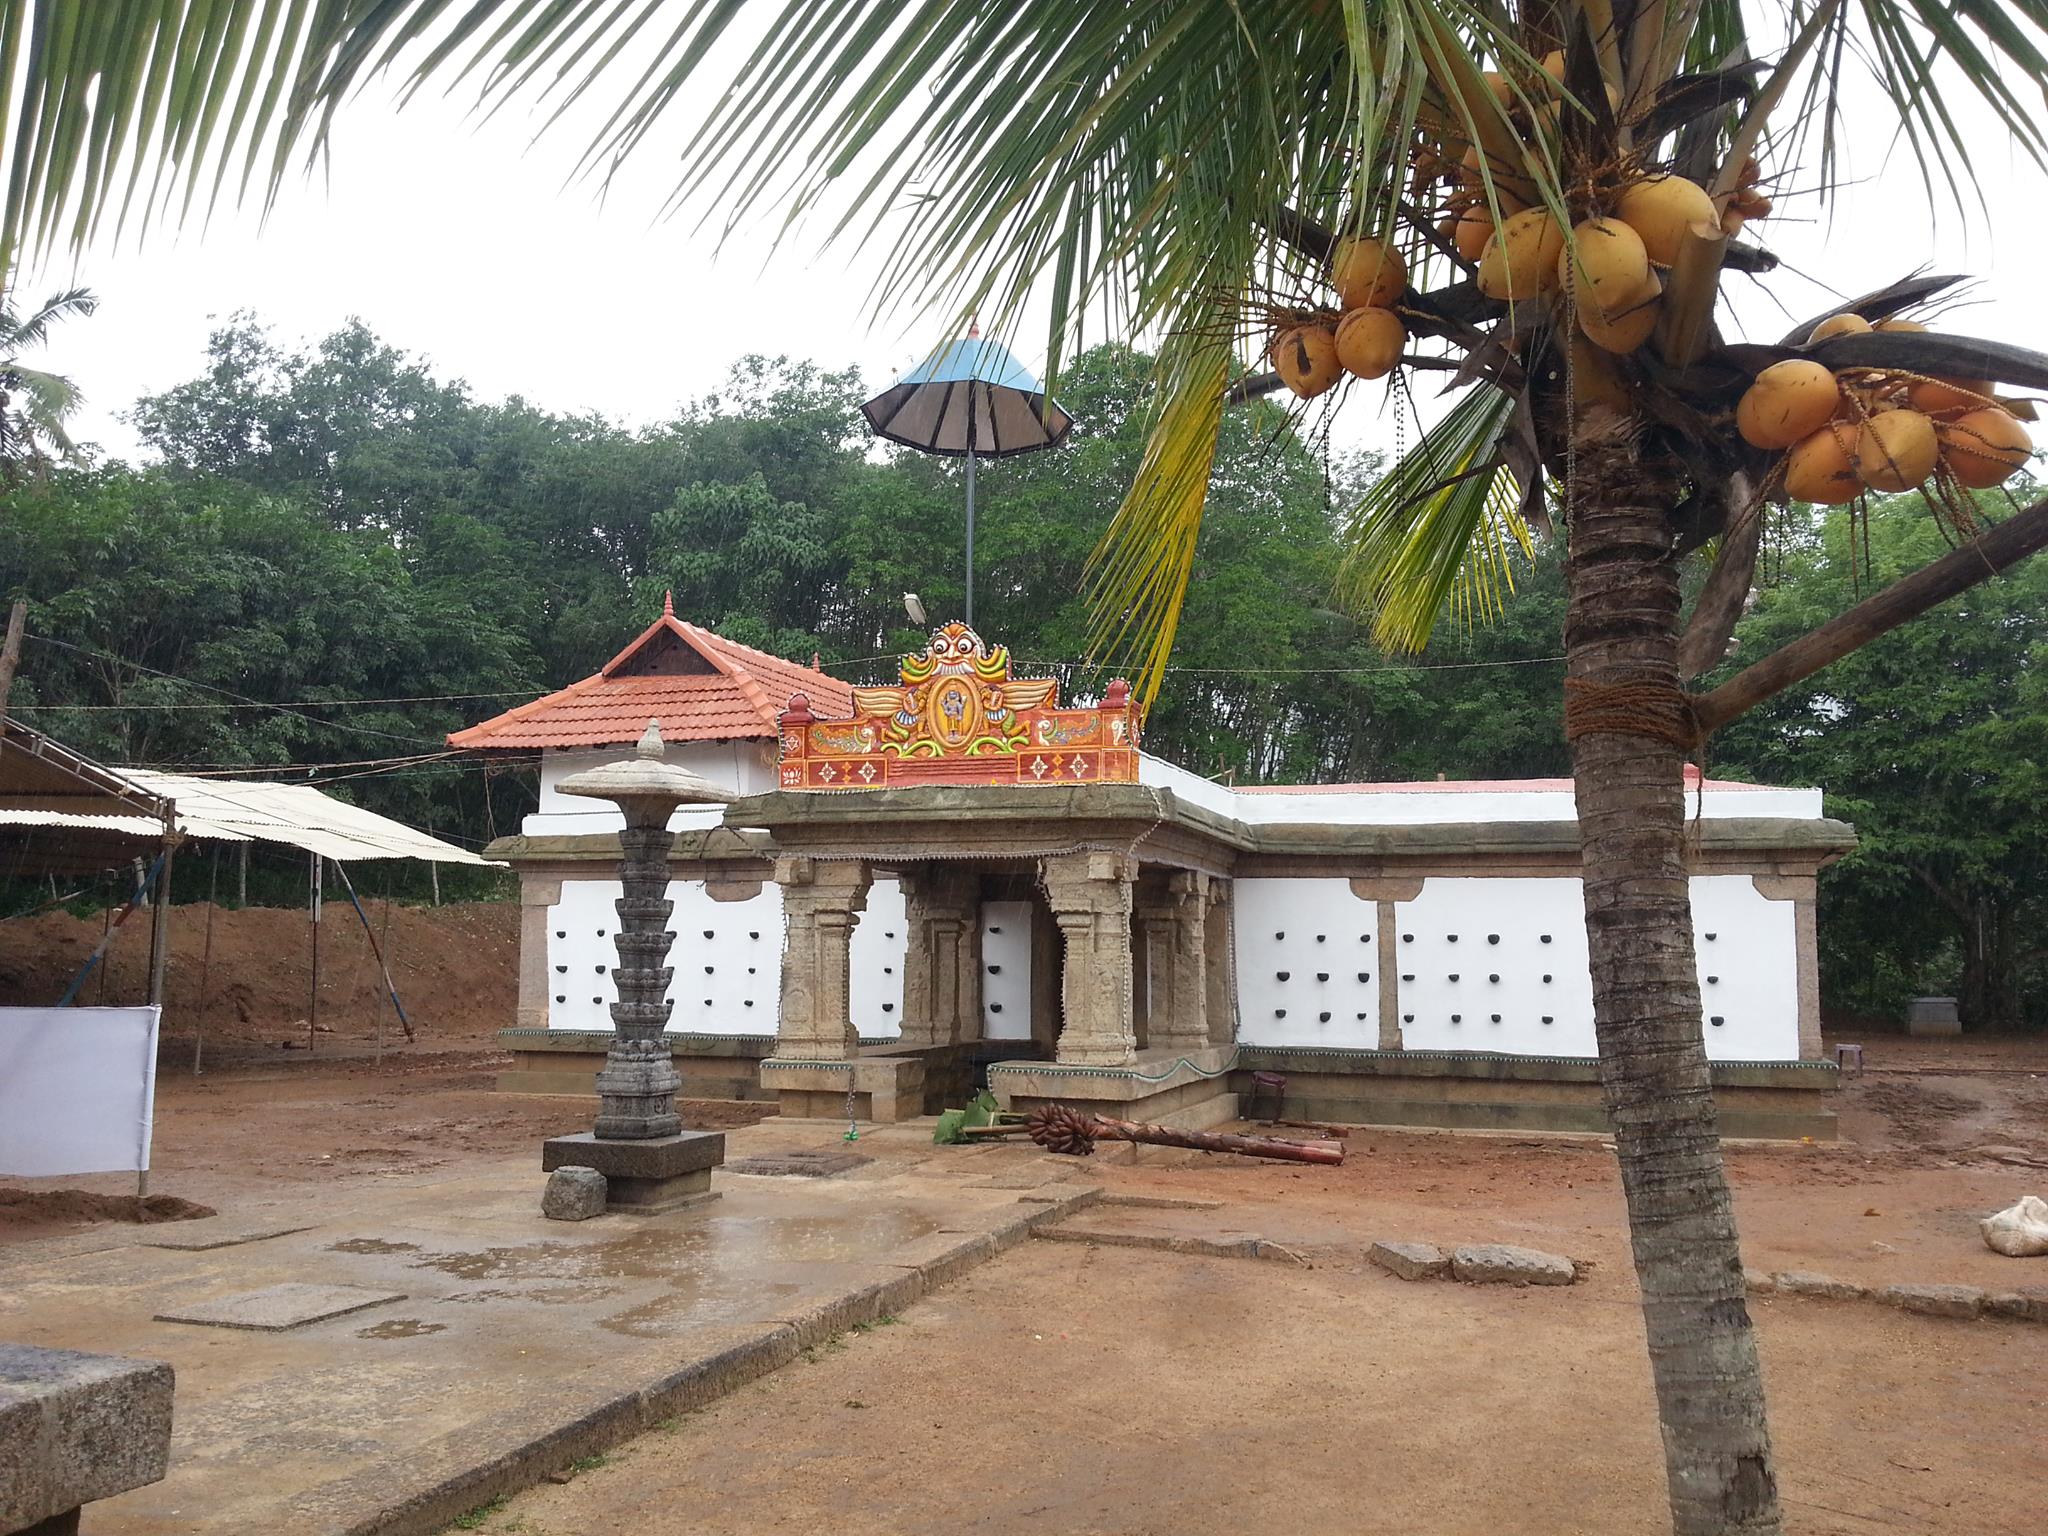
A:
x,y
74,1428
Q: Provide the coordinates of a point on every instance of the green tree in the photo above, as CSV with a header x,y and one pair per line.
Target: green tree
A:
x,y
34,403
1933,740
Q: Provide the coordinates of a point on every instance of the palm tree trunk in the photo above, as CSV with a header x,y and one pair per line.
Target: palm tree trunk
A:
x,y
1628,727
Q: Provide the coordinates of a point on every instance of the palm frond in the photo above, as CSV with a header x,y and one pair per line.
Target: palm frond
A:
x,y
1441,529
19,335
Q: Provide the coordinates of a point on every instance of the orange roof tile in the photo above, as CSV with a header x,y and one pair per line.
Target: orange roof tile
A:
x,y
698,685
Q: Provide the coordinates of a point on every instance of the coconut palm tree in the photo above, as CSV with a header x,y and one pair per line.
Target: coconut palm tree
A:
x,y
1204,171
35,403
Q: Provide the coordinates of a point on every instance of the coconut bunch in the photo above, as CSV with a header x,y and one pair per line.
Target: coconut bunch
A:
x,y
1846,432
1311,350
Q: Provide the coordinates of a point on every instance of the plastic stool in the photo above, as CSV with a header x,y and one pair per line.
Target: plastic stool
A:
x,y
1847,1055
1276,1081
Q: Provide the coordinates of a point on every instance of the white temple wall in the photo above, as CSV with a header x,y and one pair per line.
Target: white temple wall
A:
x,y
727,959
1006,970
1494,964
746,767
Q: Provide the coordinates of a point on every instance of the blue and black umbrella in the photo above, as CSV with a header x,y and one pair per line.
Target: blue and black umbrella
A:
x,y
970,399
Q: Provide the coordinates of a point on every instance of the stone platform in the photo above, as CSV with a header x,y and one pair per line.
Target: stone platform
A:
x,y
1190,1089
645,1178
515,1344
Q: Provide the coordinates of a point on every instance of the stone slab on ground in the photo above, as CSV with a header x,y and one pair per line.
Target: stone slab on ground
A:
x,y
1804,1282
798,1165
206,1241
278,1308
1505,1264
76,1428
573,1194
1934,1300
1410,1261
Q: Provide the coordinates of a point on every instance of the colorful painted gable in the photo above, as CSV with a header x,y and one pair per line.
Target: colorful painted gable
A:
x,y
957,716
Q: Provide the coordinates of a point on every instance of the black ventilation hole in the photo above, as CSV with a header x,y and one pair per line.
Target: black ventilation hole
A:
x,y
888,1007
1279,1013
1546,938
560,998
750,970
888,935
1365,938
1319,938
1457,1018
599,999
887,970
1361,1016
1454,975
1452,937
1407,938
1283,975
1407,1018
995,1007
1322,1018
710,933
1713,981
1407,975
1494,979
562,969
1493,938
1717,1021
993,928
563,933
600,970
707,1002
748,1003
1365,975
1279,936
995,970
1546,978
753,935
1322,975
1546,1018
1496,1018
1712,936
709,970
600,933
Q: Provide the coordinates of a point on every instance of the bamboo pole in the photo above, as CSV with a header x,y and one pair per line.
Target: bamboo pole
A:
x,y
206,964
313,1000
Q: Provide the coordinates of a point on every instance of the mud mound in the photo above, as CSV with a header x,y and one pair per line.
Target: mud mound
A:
x,y
74,1207
456,969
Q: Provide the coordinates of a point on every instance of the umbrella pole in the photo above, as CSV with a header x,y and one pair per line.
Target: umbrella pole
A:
x,y
970,529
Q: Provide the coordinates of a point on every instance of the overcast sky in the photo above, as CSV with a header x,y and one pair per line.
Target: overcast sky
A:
x,y
463,245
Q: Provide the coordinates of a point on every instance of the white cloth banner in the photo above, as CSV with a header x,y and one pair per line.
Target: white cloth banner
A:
x,y
77,1090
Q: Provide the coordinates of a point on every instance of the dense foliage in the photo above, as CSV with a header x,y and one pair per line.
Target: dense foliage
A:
x,y
336,526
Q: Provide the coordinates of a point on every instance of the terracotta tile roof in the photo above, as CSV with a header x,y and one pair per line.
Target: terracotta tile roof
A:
x,y
700,686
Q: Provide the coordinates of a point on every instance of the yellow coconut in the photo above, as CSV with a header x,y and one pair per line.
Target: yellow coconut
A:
x,y
1838,325
1788,401
1661,208
1512,188
1819,468
1896,450
1936,396
1520,260
1626,321
1367,272
1369,342
1553,65
1912,327
1305,357
1984,447
1610,258
1470,229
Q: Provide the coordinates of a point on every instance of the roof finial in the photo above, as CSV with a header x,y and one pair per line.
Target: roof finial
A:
x,y
668,605
651,743
974,328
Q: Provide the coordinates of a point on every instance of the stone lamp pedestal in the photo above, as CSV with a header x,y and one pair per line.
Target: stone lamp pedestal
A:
x,y
651,1164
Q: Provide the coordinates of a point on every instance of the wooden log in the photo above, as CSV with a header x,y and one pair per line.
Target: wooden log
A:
x,y
1216,1141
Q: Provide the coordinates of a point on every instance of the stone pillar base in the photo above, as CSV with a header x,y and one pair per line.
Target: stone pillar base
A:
x,y
886,1089
644,1178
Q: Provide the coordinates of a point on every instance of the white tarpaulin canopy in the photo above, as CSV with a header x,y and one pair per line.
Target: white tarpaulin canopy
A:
x,y
241,811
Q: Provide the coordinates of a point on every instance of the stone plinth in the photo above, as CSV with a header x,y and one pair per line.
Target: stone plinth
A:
x,y
1933,1016
645,1177
74,1428
1189,1089
886,1089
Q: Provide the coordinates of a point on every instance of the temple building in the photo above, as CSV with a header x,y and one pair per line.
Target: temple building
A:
x,y
957,879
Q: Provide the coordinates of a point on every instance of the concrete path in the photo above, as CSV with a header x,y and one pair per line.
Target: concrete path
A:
x,y
516,1344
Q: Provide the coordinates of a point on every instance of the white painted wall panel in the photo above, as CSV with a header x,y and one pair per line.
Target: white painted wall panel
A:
x,y
727,959
1491,964
876,999
1307,964
1006,970
1748,950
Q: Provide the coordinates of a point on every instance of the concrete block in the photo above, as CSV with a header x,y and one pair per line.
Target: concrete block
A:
x,y
276,1308
77,1427
1410,1261
1804,1282
573,1194
1934,1300
1505,1264
1933,1016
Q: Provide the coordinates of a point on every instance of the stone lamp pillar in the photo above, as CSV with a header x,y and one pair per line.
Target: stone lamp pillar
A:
x,y
651,1164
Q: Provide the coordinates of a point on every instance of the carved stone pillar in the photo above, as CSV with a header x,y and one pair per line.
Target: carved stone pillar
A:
x,y
1221,961
1090,897
636,1089
1173,925
942,955
820,901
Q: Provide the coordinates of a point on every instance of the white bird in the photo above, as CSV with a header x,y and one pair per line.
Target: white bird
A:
x,y
913,607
